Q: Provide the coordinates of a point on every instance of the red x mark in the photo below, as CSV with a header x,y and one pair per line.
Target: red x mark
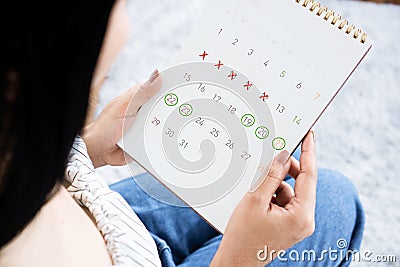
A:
x,y
248,85
219,64
203,55
264,96
232,75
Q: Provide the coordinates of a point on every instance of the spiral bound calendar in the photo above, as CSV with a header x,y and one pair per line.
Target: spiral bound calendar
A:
x,y
252,79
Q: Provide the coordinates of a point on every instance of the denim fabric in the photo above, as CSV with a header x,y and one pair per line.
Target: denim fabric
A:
x,y
185,239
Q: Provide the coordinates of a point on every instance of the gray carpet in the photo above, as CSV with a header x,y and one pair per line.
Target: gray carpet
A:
x,y
359,135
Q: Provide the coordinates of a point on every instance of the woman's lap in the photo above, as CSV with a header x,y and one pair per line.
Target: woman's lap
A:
x,y
184,239
339,224
175,228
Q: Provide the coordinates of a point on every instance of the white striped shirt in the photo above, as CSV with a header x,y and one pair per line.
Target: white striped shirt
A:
x,y
127,240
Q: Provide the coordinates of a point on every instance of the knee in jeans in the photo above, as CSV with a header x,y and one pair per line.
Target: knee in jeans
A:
x,y
339,202
336,182
337,193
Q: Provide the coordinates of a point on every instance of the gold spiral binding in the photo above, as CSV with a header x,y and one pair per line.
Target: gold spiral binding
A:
x,y
314,6
350,29
336,19
356,33
329,15
322,10
342,24
306,2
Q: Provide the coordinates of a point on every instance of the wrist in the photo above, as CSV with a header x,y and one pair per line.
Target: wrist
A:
x,y
90,142
232,256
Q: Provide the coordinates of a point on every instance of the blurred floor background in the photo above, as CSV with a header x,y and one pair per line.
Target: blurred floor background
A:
x,y
359,134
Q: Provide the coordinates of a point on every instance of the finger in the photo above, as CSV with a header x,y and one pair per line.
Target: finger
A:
x,y
306,181
277,172
119,157
284,194
294,167
128,158
144,93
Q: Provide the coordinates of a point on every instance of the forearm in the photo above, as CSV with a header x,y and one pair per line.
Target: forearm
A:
x,y
232,256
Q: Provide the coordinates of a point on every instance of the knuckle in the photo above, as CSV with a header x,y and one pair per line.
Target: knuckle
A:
x,y
313,171
310,229
254,198
306,226
276,171
115,100
303,225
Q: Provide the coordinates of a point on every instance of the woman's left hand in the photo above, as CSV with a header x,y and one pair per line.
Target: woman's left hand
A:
x,y
101,136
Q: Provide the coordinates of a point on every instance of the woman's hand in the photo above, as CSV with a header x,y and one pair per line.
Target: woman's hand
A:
x,y
101,136
273,216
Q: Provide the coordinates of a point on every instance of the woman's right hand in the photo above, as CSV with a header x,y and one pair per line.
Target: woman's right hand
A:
x,y
273,216
101,136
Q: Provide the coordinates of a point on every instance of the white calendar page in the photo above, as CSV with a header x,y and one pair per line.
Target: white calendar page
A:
x,y
252,79
297,58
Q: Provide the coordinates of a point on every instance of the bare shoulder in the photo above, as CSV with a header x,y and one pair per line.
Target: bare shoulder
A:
x,y
61,234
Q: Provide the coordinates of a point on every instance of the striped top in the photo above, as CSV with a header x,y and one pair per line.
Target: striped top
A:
x,y
127,240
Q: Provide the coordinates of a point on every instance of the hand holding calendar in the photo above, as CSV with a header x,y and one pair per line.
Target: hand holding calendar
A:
x,y
255,77
280,217
108,126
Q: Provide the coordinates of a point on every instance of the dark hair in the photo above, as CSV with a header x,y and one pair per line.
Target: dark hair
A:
x,y
46,66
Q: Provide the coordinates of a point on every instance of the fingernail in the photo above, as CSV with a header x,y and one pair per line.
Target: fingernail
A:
x,y
282,157
314,136
153,76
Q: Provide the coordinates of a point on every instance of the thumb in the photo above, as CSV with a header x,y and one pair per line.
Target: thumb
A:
x,y
277,172
145,92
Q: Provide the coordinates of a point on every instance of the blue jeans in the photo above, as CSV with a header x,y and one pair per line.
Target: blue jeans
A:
x,y
184,239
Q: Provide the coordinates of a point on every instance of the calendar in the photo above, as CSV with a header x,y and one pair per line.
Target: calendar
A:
x,y
252,79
